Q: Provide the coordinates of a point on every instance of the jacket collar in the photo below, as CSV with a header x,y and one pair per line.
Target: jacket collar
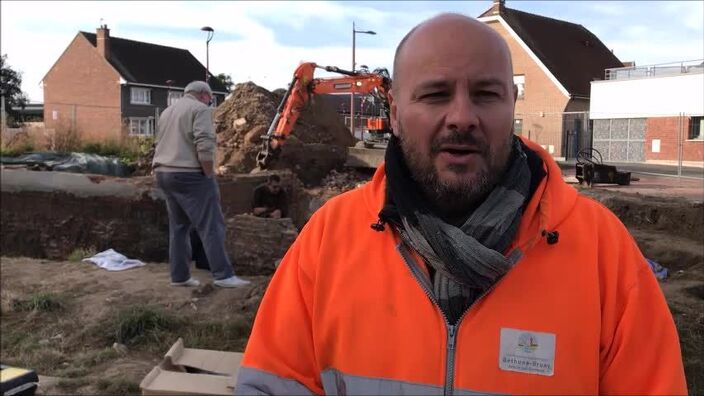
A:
x,y
548,207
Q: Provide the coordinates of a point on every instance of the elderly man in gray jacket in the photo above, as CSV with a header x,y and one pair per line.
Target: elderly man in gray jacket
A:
x,y
183,164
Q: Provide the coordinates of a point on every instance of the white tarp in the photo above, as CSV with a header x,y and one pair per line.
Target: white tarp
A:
x,y
113,261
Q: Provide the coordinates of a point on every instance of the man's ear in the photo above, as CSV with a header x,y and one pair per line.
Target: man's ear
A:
x,y
393,113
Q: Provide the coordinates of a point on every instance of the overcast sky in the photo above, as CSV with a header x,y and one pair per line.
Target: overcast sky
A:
x,y
265,41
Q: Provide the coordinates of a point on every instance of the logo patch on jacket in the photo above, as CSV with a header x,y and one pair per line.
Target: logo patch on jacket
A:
x,y
526,351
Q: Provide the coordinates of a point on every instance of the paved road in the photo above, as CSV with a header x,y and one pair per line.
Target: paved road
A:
x,y
641,168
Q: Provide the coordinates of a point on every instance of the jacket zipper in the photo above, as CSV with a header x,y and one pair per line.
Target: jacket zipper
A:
x,y
450,363
451,330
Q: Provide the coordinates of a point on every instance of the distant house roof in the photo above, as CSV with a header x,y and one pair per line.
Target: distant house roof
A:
x,y
573,54
153,64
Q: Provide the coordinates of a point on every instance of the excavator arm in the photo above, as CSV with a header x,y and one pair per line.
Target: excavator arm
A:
x,y
299,93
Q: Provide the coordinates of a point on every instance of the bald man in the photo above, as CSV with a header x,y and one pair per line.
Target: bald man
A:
x,y
467,265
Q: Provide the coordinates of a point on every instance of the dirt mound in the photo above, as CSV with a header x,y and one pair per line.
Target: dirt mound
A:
x,y
83,310
246,115
673,215
348,179
258,243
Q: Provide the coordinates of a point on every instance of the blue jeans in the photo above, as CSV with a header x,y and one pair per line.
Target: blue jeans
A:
x,y
193,201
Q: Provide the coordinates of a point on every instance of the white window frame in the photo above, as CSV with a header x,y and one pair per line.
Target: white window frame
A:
x,y
139,95
172,97
520,81
691,133
141,126
518,121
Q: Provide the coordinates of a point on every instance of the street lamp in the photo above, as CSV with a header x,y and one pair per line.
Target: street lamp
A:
x,y
211,32
354,34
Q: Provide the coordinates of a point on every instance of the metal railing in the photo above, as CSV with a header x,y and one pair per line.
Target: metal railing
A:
x,y
360,124
659,70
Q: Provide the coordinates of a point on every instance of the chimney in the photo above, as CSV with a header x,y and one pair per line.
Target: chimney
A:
x,y
496,7
102,35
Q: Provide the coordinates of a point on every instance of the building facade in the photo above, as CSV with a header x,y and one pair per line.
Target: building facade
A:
x,y
646,113
553,61
105,88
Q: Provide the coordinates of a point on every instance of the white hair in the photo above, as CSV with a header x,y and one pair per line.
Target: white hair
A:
x,y
198,87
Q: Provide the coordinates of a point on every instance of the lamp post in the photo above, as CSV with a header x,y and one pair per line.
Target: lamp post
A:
x,y
211,32
354,34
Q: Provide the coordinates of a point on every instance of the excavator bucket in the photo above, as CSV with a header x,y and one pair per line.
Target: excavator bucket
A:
x,y
266,154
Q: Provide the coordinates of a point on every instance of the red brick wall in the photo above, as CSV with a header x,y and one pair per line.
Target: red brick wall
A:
x,y
83,84
541,96
666,129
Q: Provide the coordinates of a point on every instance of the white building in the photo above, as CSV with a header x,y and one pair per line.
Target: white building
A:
x,y
649,112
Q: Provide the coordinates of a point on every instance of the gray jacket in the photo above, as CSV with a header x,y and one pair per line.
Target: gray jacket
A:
x,y
186,135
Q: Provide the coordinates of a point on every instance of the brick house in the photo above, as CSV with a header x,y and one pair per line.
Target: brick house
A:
x,y
106,87
650,113
554,62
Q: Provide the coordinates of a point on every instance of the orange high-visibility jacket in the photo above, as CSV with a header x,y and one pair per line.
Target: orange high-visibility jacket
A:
x,y
350,310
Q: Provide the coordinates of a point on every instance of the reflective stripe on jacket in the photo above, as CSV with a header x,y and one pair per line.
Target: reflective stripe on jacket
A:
x,y
347,311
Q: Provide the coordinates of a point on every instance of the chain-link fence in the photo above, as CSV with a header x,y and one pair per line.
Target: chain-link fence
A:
x,y
659,138
672,139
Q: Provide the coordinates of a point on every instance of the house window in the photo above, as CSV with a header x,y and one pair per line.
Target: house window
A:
x,y
518,126
173,97
696,128
142,126
140,95
214,101
520,82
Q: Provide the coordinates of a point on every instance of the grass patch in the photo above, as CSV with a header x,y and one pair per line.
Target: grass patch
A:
x,y
72,372
41,302
82,364
21,143
79,254
227,336
17,150
103,356
70,385
128,150
117,386
140,325
94,358
13,338
44,360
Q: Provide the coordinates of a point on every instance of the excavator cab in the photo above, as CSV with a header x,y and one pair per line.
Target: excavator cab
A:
x,y
378,131
378,125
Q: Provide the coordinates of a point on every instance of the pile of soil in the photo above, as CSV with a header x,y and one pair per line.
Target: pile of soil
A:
x,y
317,144
334,184
345,180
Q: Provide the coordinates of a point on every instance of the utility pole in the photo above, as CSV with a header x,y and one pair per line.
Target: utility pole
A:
x,y
4,115
211,32
352,93
354,66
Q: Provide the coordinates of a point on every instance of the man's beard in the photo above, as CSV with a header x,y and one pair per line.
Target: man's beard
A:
x,y
456,198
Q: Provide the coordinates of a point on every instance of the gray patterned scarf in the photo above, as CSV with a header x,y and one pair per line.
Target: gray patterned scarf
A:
x,y
468,260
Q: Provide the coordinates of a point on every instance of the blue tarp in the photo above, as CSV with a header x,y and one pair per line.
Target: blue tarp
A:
x,y
659,271
71,162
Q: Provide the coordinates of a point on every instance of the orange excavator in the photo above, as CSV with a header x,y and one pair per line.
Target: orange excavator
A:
x,y
303,86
